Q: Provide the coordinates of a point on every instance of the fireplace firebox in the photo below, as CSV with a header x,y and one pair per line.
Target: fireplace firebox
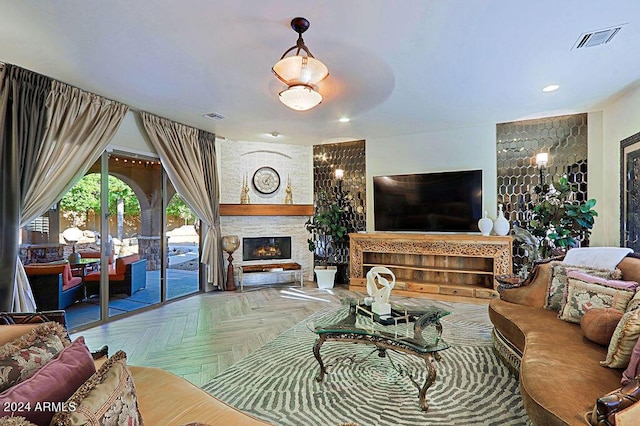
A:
x,y
266,248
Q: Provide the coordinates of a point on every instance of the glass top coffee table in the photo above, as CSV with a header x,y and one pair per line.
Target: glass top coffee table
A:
x,y
414,330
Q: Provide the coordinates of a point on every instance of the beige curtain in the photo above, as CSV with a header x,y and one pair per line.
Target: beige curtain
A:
x,y
207,143
189,169
80,126
23,123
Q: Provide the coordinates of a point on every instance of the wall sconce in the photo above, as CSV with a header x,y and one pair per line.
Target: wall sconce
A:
x,y
339,174
542,159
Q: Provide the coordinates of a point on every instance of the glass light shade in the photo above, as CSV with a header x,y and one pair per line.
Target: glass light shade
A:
x,y
339,174
295,70
300,98
230,243
542,159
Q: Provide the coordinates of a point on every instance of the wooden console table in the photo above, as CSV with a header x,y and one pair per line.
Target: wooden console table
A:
x,y
444,266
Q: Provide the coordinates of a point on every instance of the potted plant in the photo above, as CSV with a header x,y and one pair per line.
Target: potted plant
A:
x,y
327,229
557,221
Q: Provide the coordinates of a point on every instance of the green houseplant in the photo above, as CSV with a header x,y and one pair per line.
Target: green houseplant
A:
x,y
327,228
557,222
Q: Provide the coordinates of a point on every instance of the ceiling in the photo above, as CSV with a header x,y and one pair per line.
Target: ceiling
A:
x,y
396,67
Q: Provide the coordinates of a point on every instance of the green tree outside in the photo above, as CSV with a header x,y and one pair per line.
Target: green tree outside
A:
x,y
178,208
84,198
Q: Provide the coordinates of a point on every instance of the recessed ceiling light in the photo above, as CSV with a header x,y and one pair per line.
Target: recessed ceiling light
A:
x,y
344,119
551,88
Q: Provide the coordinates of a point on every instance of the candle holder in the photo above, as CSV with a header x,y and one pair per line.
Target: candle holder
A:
x,y
230,244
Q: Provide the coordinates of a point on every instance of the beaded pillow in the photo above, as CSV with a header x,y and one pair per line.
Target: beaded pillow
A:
x,y
22,357
584,292
558,281
107,397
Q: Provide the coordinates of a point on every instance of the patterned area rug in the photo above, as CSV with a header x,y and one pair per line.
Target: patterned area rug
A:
x,y
277,382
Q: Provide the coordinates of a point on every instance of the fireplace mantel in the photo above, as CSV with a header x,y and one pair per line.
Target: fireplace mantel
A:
x,y
266,209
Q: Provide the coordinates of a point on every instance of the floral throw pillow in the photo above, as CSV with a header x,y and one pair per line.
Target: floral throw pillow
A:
x,y
41,395
15,421
558,282
107,397
582,294
22,357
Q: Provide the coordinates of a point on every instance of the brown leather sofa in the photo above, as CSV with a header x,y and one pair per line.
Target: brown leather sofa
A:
x,y
560,375
163,398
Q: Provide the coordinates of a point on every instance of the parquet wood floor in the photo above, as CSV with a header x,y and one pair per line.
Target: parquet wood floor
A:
x,y
200,336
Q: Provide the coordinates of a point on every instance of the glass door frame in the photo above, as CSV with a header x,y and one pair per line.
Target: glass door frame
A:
x,y
164,243
104,239
104,244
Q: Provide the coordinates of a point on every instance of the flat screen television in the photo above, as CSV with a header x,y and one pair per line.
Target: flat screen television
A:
x,y
428,202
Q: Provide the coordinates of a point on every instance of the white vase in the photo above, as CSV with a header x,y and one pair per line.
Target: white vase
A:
x,y
501,224
485,225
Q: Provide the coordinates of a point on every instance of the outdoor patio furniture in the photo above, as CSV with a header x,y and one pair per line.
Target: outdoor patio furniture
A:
x,y
127,276
53,285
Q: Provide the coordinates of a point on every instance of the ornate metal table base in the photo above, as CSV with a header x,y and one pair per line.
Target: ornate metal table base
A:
x,y
382,344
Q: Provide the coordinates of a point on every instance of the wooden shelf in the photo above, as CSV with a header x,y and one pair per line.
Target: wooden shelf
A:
x,y
266,209
432,269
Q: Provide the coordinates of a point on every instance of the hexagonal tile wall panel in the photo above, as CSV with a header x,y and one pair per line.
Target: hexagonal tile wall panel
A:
x,y
563,138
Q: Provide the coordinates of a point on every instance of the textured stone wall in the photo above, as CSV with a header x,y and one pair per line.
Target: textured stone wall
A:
x,y
270,226
239,159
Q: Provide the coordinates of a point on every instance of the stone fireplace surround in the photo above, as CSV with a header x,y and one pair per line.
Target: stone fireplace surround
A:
x,y
238,159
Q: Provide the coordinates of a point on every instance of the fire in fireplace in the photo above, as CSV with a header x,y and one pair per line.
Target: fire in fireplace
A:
x,y
266,248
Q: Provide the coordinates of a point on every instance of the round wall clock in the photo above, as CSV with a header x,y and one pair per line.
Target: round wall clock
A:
x,y
266,180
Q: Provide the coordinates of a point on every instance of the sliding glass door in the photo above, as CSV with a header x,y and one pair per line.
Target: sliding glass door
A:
x,y
135,230
129,238
183,245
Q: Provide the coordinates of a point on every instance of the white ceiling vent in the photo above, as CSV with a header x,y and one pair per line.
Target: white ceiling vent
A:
x,y
598,37
214,116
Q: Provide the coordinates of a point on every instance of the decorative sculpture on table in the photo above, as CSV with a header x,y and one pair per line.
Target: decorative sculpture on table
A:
x,y
379,296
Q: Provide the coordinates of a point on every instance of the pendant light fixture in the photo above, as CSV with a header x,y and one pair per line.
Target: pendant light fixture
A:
x,y
301,72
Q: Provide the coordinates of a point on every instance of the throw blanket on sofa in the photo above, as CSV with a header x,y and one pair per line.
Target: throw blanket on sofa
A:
x,y
596,257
